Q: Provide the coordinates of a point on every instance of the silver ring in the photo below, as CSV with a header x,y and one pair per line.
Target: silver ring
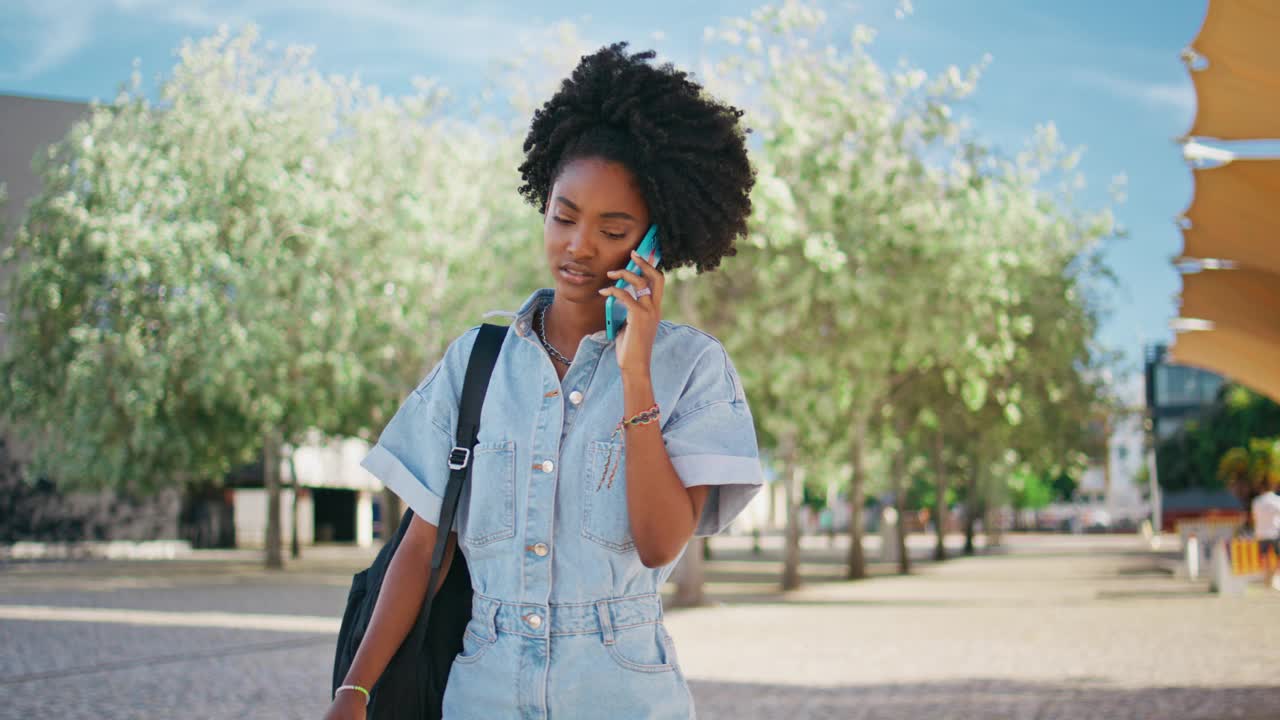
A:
x,y
643,292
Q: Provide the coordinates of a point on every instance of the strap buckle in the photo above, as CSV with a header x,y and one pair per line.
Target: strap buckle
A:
x,y
459,457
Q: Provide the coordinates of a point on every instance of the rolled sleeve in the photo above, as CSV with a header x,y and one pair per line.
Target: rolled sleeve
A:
x,y
411,456
406,456
711,441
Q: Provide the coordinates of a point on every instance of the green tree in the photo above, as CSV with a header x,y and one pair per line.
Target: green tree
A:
x,y
1190,457
1251,470
1030,491
854,255
266,258
886,247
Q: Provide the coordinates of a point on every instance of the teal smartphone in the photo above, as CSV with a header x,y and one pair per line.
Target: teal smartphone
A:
x,y
615,313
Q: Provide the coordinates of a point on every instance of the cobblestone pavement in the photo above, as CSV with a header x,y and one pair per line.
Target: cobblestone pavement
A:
x,y
1047,627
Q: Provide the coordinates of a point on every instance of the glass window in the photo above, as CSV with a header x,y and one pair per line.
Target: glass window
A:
x,y
1178,385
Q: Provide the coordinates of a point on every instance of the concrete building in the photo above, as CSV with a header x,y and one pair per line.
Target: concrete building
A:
x,y
338,502
1111,493
27,125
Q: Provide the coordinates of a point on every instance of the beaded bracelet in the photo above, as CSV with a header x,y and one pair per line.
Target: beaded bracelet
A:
x,y
644,418
354,687
651,415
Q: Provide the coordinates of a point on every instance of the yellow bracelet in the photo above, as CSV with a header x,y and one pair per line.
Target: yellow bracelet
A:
x,y
353,687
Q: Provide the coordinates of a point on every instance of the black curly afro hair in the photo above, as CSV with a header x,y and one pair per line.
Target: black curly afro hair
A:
x,y
686,150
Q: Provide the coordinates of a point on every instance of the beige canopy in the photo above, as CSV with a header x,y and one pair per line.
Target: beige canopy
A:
x,y
1237,355
1238,91
1246,301
1235,215
1233,222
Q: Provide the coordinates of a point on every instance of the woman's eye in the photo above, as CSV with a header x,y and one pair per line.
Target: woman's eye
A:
x,y
562,221
615,236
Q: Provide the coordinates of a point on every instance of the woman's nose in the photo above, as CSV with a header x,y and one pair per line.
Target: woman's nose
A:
x,y
580,243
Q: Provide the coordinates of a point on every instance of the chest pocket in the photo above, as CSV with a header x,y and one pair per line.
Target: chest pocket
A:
x,y
604,504
491,507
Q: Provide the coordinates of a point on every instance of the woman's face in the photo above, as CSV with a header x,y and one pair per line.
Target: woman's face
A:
x,y
595,218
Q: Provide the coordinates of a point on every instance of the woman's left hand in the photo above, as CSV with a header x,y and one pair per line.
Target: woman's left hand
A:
x,y
634,344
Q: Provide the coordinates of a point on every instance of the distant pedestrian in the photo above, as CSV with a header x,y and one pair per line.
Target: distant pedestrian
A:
x,y
1266,528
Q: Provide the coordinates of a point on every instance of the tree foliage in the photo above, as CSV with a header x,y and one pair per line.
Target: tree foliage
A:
x,y
1190,457
897,265
1252,469
268,251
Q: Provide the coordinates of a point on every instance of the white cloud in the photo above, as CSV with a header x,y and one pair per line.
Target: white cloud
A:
x,y
58,29
58,33
1180,97
454,33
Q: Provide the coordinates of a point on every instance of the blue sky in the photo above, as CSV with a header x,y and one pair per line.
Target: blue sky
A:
x,y
1105,72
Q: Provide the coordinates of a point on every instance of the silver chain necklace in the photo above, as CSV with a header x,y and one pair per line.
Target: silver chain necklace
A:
x,y
542,335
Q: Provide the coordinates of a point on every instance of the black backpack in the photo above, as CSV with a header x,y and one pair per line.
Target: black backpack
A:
x,y
412,685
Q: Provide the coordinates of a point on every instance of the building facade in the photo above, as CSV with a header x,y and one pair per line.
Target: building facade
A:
x,y
1175,396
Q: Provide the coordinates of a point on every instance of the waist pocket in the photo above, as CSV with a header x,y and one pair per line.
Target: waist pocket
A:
x,y
474,647
604,504
491,501
642,648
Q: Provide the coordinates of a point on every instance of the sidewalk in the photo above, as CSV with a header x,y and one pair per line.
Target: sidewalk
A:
x,y
1050,627
1056,627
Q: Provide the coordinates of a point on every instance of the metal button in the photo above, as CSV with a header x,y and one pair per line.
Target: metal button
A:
x,y
541,550
575,397
534,620
548,466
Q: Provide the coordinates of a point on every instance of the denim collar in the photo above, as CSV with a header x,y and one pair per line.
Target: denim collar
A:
x,y
522,319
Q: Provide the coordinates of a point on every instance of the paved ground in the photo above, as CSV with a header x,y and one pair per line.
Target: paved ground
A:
x,y
1048,627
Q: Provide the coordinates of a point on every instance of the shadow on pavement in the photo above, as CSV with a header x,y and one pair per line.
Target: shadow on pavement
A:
x,y
983,699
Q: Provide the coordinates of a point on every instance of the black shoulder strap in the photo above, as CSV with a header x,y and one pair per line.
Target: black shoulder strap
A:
x,y
484,355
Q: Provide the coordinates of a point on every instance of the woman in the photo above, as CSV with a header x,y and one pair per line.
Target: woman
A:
x,y
574,519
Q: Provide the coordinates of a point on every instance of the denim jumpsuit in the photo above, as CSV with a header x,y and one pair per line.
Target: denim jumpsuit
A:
x,y
566,621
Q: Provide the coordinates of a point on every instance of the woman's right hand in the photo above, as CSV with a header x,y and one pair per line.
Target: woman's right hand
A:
x,y
403,589
347,705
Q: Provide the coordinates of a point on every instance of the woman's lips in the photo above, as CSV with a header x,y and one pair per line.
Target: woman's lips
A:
x,y
574,278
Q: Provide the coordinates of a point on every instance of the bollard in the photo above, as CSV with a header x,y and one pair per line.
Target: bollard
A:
x,y
1192,562
1224,581
889,535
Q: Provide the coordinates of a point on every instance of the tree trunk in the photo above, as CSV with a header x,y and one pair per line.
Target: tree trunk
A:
x,y
691,576
392,510
791,550
271,476
772,524
992,521
900,505
971,503
295,548
857,557
940,502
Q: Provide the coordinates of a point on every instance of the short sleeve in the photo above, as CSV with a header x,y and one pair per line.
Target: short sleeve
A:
x,y
711,440
411,455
